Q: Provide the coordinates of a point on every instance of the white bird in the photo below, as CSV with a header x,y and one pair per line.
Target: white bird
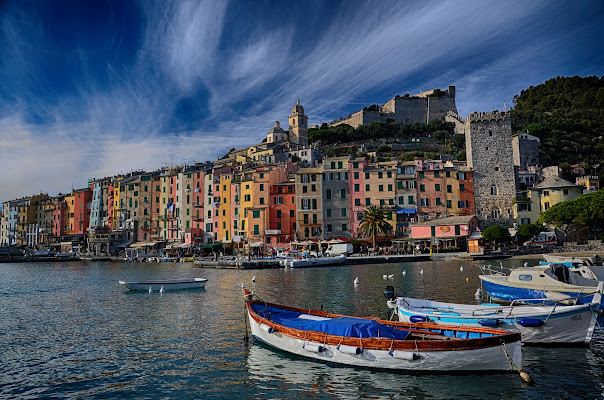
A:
x,y
356,281
161,289
404,272
384,276
501,265
526,264
150,290
461,268
242,285
478,293
254,278
391,276
421,271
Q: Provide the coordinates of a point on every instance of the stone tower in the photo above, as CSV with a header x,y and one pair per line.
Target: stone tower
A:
x,y
490,156
298,126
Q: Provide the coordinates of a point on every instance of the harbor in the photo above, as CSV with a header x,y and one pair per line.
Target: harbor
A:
x,y
74,331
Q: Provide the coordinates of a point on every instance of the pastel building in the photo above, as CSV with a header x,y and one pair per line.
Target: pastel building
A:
x,y
282,215
444,233
336,198
356,175
406,197
309,208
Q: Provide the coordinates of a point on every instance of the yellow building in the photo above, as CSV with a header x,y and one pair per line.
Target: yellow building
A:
x,y
380,188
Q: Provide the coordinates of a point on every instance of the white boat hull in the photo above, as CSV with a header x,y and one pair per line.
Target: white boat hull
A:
x,y
166,285
484,359
316,262
561,324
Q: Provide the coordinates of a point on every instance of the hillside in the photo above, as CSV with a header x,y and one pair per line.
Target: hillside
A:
x,y
567,114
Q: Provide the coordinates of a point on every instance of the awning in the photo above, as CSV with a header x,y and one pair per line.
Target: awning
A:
x,y
257,244
407,211
138,245
123,244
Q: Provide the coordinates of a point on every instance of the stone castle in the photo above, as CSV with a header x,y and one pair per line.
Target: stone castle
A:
x,y
421,108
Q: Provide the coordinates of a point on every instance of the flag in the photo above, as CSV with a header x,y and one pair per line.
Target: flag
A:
x,y
505,108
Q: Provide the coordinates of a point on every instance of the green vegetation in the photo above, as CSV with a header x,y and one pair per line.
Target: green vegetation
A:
x,y
526,232
587,209
496,233
374,224
564,113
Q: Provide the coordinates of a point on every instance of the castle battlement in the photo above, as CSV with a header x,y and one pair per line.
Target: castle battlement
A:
x,y
486,116
455,116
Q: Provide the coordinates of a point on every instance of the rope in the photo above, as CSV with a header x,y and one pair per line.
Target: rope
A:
x,y
523,375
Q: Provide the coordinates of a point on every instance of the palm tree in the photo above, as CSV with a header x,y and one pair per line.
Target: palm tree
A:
x,y
374,223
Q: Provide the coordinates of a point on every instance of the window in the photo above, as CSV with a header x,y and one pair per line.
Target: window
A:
x,y
495,213
355,165
448,174
436,174
422,188
546,192
356,175
340,166
449,204
546,205
525,221
401,200
462,204
305,189
424,202
525,278
256,229
278,200
437,187
313,178
449,189
278,213
262,187
462,187
328,213
357,187
367,201
493,190
438,201
305,204
314,204
304,178
461,176
381,188
343,211
343,193
357,202
313,188
329,229
366,175
344,227
255,214
328,194
382,202
380,175
565,191
389,174
390,188
328,176
367,187
292,213
333,165
247,197
399,185
421,175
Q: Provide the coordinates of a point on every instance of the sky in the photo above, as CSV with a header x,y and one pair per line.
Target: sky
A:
x,y
90,89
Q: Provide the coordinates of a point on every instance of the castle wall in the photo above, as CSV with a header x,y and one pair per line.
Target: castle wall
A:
x,y
490,155
526,151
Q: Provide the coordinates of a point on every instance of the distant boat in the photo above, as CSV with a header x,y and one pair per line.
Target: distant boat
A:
x,y
553,258
373,343
315,262
166,284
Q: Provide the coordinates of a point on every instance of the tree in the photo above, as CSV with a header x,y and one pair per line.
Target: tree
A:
x,y
525,232
496,233
374,223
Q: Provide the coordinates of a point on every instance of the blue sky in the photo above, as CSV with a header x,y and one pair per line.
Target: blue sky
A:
x,y
94,88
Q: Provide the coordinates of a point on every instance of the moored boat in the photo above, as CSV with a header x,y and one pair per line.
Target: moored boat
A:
x,y
533,284
166,284
315,261
552,324
373,343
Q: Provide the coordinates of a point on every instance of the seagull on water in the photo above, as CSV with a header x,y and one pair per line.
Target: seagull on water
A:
x,y
356,281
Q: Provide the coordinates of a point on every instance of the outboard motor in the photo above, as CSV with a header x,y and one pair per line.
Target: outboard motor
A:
x,y
389,293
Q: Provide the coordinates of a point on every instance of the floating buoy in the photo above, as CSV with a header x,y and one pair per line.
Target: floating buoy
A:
x,y
356,281
254,278
461,268
525,377
467,279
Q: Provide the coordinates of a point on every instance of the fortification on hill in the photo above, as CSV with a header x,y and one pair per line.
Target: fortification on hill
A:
x,y
421,108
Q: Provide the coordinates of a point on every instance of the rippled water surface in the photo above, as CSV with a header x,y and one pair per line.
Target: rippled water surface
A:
x,y
71,331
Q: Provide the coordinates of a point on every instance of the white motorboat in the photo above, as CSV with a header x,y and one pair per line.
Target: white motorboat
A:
x,y
373,343
553,324
315,261
532,284
166,284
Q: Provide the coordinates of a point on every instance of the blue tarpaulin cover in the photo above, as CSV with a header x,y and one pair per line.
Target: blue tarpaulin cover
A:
x,y
342,326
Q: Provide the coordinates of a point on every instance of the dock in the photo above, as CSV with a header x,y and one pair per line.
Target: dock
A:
x,y
244,263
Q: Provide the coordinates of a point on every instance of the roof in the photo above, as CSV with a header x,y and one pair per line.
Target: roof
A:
x,y
460,220
554,182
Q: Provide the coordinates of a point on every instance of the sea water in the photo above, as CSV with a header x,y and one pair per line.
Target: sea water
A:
x,y
69,330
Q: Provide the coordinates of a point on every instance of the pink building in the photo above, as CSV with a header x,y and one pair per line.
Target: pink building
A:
x,y
356,168
444,233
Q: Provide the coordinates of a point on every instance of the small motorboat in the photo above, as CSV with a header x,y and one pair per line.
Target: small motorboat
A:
x,y
533,284
552,324
315,262
166,284
374,343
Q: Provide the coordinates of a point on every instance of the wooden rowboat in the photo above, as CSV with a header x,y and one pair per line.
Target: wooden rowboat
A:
x,y
166,284
374,343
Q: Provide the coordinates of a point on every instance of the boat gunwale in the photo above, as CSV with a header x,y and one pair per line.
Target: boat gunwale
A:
x,y
166,281
446,344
